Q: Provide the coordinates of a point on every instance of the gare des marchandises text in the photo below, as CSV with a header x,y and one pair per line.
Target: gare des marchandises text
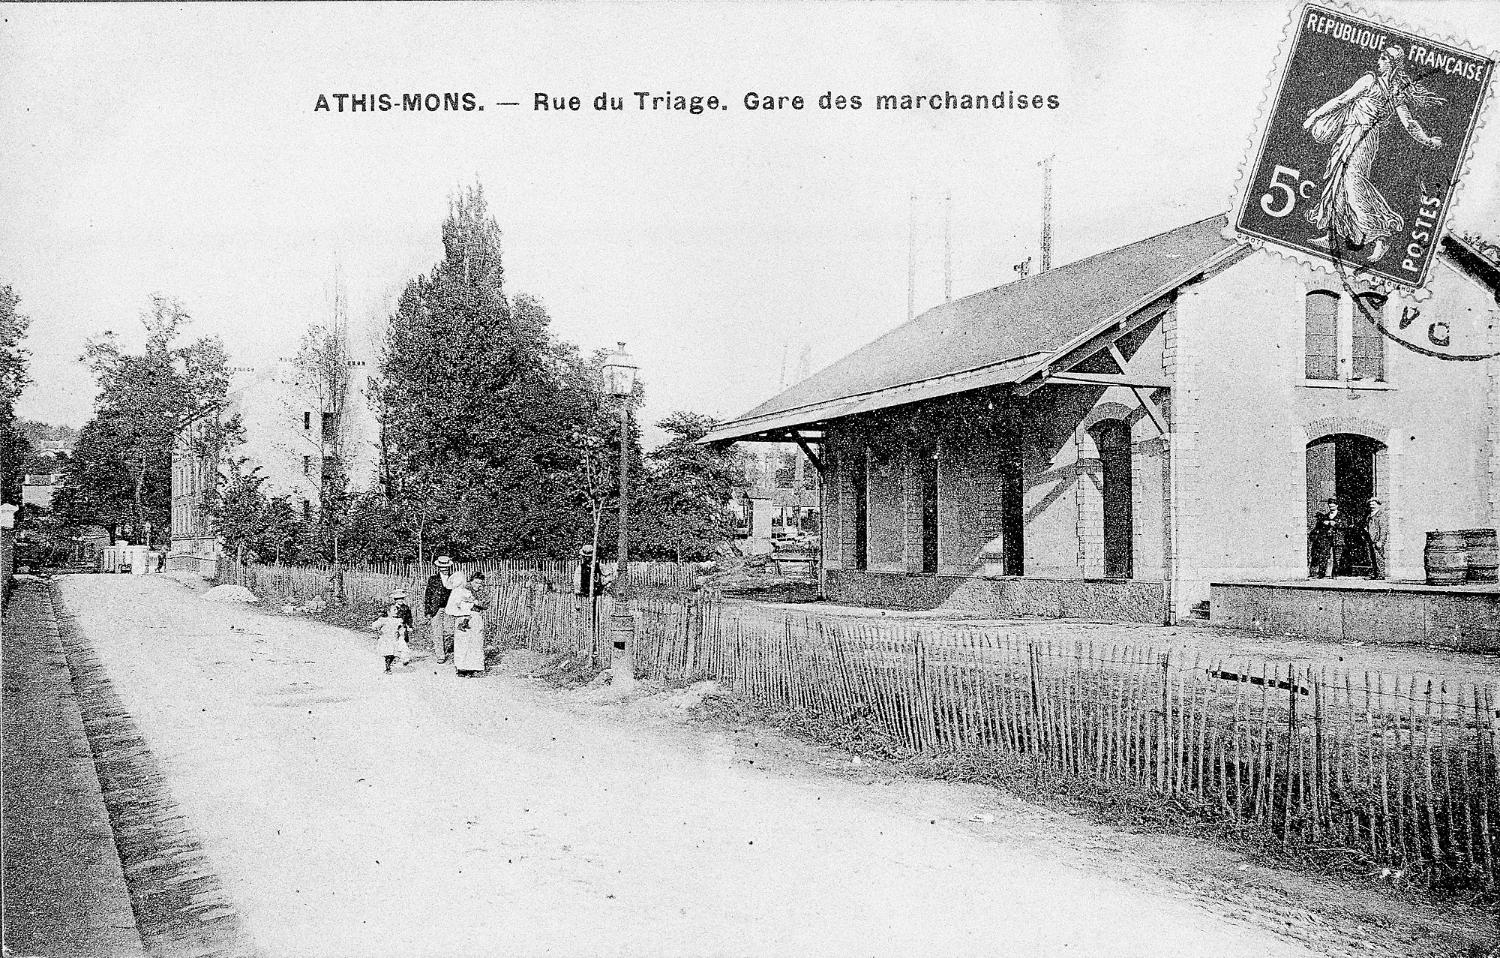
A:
x,y
696,104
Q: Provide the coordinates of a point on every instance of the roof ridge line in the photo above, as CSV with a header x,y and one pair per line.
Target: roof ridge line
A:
x,y
1070,265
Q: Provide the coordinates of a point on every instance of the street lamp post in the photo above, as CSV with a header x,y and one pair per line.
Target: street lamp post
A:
x,y
619,381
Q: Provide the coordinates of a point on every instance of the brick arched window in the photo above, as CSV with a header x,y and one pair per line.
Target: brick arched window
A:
x,y
1343,339
1322,334
1367,343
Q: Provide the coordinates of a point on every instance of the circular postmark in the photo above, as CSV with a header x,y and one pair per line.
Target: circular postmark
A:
x,y
1428,335
1407,322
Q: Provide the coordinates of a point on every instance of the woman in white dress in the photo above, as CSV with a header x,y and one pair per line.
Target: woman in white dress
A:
x,y
466,605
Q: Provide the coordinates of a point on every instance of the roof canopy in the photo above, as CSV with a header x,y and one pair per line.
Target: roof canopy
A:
x,y
991,338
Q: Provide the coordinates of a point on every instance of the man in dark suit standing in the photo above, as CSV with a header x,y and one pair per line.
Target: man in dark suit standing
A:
x,y
439,623
1327,536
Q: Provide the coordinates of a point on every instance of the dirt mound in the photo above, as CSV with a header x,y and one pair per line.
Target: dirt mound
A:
x,y
520,661
230,593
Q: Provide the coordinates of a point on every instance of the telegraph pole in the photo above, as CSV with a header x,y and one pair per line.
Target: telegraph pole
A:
x,y
1046,166
948,248
911,259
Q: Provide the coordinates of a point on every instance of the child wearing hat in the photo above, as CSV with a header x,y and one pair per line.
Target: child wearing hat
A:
x,y
395,630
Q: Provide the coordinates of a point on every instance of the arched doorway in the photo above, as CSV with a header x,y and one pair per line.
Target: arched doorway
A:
x,y
1112,438
1347,469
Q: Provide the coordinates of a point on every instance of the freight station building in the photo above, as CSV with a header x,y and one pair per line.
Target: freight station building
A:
x,y
1135,434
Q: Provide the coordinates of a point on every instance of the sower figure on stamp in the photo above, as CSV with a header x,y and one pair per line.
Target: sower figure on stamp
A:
x,y
1372,536
439,623
1327,535
1350,205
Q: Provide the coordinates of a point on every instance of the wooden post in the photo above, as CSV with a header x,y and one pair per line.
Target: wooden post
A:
x,y
1485,725
1036,701
1164,730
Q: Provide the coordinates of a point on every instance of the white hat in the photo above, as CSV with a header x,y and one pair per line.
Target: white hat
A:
x,y
398,594
442,562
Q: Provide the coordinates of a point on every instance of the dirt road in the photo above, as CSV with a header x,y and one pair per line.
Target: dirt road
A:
x,y
350,812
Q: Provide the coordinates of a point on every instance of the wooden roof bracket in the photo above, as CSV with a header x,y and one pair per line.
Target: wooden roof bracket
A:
x,y
812,457
1059,371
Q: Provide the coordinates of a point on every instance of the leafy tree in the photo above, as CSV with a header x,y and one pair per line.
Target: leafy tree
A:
x,y
15,449
596,437
479,406
96,488
250,523
39,432
376,531
145,401
239,511
684,503
284,531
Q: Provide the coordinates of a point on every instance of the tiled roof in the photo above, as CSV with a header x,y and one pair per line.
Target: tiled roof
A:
x,y
985,338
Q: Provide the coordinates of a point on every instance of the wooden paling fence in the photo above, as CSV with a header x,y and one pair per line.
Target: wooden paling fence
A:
x,y
1398,769
651,576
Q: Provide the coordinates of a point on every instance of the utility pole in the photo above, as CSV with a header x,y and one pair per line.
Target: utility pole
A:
x,y
911,259
1046,166
948,248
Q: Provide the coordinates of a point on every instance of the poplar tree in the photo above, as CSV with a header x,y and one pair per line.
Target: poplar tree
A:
x,y
479,406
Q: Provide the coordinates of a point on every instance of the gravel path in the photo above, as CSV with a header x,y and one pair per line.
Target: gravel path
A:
x,y
350,812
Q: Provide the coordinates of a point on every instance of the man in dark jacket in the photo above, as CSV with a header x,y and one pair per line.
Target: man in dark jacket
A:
x,y
587,580
1327,536
439,623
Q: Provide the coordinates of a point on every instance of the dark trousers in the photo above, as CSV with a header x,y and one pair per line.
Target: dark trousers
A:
x,y
1328,558
1376,554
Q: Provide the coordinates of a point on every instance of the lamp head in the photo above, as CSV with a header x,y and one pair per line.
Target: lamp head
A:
x,y
619,373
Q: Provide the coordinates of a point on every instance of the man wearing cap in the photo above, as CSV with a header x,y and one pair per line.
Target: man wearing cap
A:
x,y
1372,534
439,623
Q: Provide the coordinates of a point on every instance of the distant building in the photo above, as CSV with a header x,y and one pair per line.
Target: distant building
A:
x,y
780,498
38,488
1111,438
287,435
44,472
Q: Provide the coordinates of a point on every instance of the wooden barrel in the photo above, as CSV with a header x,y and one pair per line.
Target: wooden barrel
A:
x,y
1484,556
1446,559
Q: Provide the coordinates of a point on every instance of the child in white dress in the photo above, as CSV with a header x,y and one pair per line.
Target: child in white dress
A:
x,y
392,643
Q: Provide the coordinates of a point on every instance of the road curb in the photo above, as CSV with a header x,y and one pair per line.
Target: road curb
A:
x,y
66,892
180,906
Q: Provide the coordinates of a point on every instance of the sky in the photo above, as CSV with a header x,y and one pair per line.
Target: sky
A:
x,y
176,149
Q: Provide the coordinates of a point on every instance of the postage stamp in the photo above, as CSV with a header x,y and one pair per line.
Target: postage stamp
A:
x,y
1362,146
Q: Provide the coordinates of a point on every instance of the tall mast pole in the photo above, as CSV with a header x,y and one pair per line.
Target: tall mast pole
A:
x,y
1046,166
911,259
948,248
